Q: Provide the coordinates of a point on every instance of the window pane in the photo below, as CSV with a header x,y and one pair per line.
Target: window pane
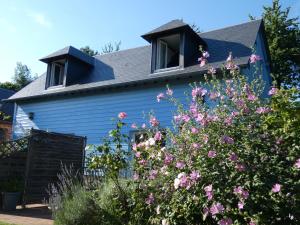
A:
x,y
163,53
56,75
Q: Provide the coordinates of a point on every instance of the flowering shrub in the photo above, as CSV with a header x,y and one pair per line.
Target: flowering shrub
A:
x,y
232,157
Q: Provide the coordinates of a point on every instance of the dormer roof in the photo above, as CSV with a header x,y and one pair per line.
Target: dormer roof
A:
x,y
174,26
67,52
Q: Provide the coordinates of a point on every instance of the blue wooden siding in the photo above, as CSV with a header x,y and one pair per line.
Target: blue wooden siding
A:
x,y
260,49
91,115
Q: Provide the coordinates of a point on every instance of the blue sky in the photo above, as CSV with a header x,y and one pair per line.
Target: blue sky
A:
x,y
32,29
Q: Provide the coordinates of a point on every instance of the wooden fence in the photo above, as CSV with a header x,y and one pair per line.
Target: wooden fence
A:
x,y
37,160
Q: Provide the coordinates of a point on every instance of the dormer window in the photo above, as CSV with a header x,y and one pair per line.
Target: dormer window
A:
x,y
174,45
168,49
66,67
57,73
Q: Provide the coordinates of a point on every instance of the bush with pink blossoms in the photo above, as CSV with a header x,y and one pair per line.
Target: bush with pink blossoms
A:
x,y
232,157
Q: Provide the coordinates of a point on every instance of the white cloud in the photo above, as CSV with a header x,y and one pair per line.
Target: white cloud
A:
x,y
40,19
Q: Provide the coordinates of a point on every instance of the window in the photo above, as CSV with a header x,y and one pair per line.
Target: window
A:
x,y
57,73
168,49
142,136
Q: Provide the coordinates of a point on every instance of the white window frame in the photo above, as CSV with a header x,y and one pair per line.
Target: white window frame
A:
x,y
160,42
52,77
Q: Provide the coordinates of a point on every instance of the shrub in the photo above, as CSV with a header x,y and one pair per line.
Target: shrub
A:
x,y
78,209
233,157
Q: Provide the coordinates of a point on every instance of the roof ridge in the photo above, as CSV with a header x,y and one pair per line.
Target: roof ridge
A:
x,y
122,50
253,21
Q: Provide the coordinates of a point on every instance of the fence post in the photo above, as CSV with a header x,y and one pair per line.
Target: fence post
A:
x,y
27,166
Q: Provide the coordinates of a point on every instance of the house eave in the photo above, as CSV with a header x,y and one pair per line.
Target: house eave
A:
x,y
152,79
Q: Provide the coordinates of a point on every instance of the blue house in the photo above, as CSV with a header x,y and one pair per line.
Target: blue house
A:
x,y
79,94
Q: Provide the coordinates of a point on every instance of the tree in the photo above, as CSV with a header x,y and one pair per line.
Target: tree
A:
x,y
21,78
22,75
89,51
9,85
108,48
283,37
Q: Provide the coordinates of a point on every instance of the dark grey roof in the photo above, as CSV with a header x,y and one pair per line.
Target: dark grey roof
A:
x,y
7,108
133,65
69,51
174,24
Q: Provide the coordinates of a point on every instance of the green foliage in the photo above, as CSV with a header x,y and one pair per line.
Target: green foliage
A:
x,y
22,75
4,117
110,157
108,48
283,37
78,209
9,85
21,78
89,51
234,162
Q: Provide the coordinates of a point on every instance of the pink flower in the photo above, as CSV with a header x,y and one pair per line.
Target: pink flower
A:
x,y
212,154
209,192
160,96
276,188
297,164
214,95
150,199
240,205
195,145
203,61
228,121
216,208
169,92
142,162
152,174
122,115
233,157
158,136
180,165
186,118
227,221
181,181
227,140
194,130
241,192
205,54
263,110
198,92
254,58
168,158
273,91
240,167
136,176
205,138
252,97
153,121
195,175
212,71
134,146
133,126
138,154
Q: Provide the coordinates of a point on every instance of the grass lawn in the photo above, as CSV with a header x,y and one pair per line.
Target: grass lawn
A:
x,y
3,223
